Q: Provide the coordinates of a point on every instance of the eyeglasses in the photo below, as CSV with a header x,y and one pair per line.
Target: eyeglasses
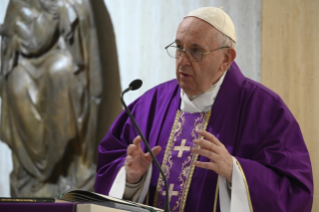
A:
x,y
193,54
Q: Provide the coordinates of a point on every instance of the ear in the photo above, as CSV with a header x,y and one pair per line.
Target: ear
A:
x,y
229,57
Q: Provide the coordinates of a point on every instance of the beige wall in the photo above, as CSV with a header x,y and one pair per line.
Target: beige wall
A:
x,y
290,66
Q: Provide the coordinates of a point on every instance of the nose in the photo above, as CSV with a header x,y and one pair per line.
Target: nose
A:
x,y
184,59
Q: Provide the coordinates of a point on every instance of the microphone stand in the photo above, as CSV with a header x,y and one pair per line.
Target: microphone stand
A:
x,y
167,206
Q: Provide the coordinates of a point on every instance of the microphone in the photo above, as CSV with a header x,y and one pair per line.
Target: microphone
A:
x,y
136,84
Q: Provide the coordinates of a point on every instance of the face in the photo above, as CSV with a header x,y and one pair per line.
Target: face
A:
x,y
197,77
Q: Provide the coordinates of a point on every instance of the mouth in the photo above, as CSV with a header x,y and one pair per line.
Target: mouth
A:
x,y
184,75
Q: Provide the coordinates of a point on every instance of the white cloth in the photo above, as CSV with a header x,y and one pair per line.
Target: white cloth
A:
x,y
118,188
234,200
202,102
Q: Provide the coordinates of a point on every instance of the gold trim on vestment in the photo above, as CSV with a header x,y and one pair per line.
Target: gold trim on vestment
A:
x,y
74,204
246,185
189,179
216,195
160,178
200,123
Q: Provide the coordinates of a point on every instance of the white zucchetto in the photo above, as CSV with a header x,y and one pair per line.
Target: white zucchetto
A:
x,y
217,18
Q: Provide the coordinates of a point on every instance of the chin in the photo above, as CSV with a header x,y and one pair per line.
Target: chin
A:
x,y
188,91
187,88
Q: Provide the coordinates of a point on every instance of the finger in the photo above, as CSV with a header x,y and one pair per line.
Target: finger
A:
x,y
137,141
129,160
209,137
205,165
156,150
131,149
205,144
206,153
135,146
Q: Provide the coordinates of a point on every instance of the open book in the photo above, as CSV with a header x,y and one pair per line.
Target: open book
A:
x,y
99,199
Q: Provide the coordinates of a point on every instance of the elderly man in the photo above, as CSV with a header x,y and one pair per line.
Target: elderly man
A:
x,y
229,143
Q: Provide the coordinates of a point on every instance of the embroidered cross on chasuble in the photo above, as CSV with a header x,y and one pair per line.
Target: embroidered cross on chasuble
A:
x,y
178,162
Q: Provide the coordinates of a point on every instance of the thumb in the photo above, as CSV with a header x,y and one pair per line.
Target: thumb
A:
x,y
156,150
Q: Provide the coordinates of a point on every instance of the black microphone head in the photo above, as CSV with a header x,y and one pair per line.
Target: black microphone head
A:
x,y
136,84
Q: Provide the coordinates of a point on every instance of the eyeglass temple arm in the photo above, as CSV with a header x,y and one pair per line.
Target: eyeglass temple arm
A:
x,y
224,47
169,45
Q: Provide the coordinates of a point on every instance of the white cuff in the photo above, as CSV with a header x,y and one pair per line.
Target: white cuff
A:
x,y
118,187
235,199
146,184
224,194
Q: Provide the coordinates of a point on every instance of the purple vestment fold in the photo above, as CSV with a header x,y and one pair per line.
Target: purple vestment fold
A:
x,y
251,121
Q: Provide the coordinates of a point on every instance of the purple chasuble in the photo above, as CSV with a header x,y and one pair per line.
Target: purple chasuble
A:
x,y
251,121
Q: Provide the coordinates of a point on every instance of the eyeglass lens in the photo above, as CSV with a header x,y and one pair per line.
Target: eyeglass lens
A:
x,y
193,54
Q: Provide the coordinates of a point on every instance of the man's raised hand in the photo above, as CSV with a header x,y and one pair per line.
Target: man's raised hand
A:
x,y
137,162
220,160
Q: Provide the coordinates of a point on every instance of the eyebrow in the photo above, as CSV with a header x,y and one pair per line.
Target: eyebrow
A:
x,y
192,45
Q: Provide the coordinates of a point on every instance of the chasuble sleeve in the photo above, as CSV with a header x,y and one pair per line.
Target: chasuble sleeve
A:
x,y
273,157
112,151
149,112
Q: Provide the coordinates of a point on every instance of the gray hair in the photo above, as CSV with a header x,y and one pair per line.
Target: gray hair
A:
x,y
223,40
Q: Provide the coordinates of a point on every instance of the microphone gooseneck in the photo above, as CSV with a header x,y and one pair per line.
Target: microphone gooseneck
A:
x,y
136,84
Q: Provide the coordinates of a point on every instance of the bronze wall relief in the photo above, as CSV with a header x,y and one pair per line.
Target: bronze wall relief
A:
x,y
52,87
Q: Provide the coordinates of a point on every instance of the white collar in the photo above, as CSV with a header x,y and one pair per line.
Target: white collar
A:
x,y
202,102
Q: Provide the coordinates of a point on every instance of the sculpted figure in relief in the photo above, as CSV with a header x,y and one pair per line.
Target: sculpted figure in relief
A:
x,y
51,86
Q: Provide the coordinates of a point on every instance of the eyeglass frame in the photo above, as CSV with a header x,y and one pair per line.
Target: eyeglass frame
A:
x,y
185,50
